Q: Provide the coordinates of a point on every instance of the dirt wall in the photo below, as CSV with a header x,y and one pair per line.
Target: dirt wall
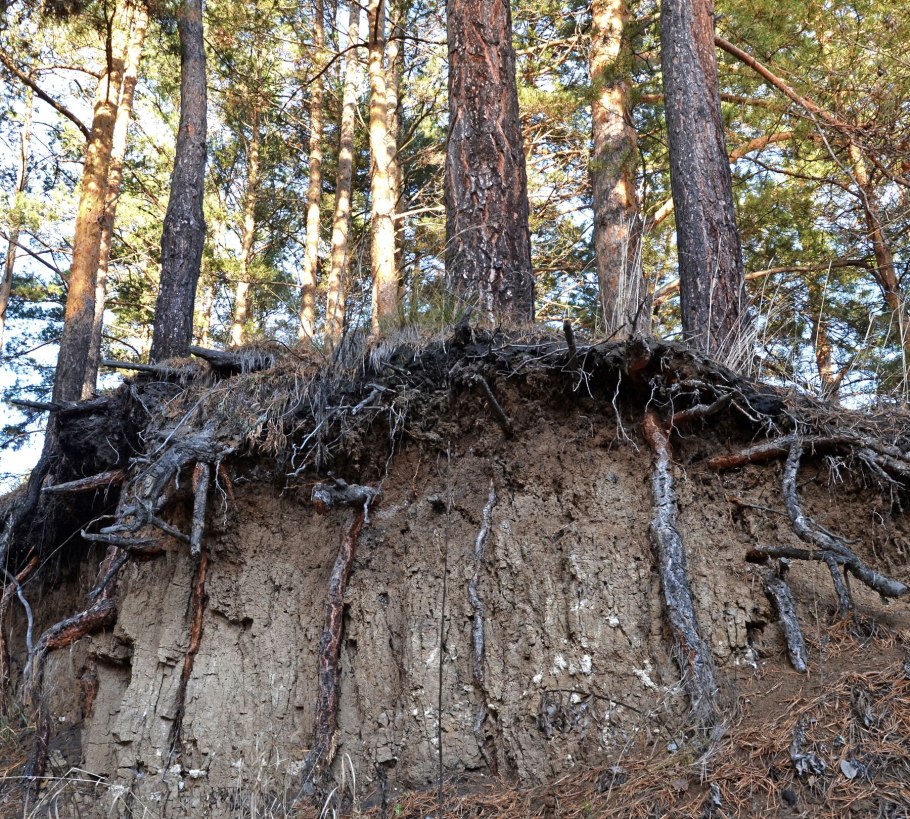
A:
x,y
578,670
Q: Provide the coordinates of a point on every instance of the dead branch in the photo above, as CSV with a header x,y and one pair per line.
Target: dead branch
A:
x,y
134,366
840,553
201,476
326,722
498,412
103,479
478,659
779,591
232,363
40,406
692,653
197,607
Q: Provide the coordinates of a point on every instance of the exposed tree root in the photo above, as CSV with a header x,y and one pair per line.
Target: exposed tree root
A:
x,y
692,653
835,549
779,592
105,479
478,654
198,600
325,724
11,590
201,475
495,407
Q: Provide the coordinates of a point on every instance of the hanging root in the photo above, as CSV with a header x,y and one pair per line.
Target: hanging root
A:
x,y
478,658
495,407
692,653
201,475
834,550
779,591
12,589
326,722
197,608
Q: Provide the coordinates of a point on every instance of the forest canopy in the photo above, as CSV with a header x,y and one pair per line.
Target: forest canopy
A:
x,y
337,184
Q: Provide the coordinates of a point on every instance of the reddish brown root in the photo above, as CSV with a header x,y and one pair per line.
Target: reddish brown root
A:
x,y
326,722
197,607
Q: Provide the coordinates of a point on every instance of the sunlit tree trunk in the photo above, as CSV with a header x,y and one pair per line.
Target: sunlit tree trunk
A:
x,y
9,265
488,245
79,314
114,183
341,219
382,247
184,224
314,187
242,287
395,60
712,288
617,224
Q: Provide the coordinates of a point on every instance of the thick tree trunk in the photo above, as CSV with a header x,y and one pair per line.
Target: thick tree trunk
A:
x,y
488,243
314,187
242,288
184,224
114,182
617,224
79,315
395,60
9,266
341,219
382,255
712,292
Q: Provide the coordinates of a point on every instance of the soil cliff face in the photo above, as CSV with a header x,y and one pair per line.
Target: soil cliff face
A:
x,y
538,532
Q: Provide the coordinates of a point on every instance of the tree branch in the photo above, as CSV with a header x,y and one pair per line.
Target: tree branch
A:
x,y
43,95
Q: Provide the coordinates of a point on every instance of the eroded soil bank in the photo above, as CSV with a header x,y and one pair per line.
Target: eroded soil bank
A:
x,y
536,526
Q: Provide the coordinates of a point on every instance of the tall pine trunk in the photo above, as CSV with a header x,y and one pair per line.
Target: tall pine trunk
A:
x,y
488,244
314,186
184,225
79,315
617,224
248,238
382,245
395,59
341,218
12,247
712,290
114,183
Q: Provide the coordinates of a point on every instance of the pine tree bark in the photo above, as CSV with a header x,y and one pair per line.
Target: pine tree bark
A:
x,y
79,314
382,246
242,287
395,59
617,223
341,218
12,248
114,183
488,244
712,290
184,223
314,186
